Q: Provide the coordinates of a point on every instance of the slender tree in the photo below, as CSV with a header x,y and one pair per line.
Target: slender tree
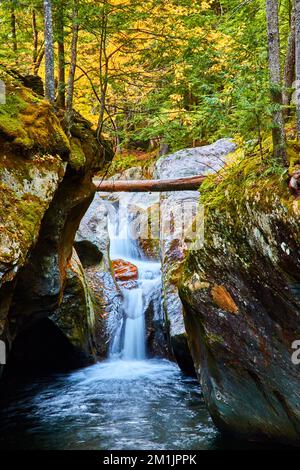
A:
x,y
38,51
297,16
59,24
71,78
289,67
13,26
279,142
35,36
49,52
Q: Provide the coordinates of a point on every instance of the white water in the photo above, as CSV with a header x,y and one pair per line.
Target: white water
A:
x,y
129,341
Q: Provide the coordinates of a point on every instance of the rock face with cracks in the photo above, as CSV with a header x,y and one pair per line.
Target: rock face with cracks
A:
x,y
240,292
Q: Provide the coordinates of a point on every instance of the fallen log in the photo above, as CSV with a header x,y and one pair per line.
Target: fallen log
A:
x,y
144,186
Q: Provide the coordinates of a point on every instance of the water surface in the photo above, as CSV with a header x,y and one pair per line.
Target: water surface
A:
x,y
111,405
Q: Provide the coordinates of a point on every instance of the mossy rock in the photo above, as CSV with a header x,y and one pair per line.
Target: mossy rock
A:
x,y
240,292
77,157
28,122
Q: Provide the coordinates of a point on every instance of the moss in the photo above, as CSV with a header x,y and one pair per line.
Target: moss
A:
x,y
241,204
124,161
77,158
244,175
28,122
213,338
21,205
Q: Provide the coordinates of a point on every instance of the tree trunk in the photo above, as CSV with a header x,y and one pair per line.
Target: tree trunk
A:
x,y
279,144
70,91
41,54
297,16
289,68
13,27
49,52
61,88
144,186
35,35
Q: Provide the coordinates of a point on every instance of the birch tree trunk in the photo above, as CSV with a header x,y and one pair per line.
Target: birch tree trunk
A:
x,y
289,67
61,88
49,52
297,16
279,147
70,91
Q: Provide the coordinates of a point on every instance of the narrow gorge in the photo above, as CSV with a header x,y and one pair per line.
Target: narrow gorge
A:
x,y
146,320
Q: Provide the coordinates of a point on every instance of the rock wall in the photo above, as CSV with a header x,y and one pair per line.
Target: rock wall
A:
x,y
45,188
75,316
240,293
92,244
177,211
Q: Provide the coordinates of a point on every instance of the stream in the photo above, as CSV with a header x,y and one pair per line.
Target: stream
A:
x,y
125,402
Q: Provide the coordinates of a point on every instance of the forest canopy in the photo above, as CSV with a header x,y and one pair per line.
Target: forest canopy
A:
x,y
157,72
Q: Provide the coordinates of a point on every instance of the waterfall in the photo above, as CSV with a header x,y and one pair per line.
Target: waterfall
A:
x,y
134,336
129,339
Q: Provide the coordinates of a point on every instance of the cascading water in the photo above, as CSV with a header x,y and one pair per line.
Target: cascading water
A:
x,y
126,402
129,339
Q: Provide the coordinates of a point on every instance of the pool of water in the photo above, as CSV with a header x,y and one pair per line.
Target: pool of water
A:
x,y
113,405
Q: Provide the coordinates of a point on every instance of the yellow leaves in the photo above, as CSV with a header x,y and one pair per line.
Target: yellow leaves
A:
x,y
176,98
206,5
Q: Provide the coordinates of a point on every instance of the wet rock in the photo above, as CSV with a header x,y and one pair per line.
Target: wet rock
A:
x,y
124,271
92,245
242,304
145,223
178,211
75,316
92,239
41,282
156,328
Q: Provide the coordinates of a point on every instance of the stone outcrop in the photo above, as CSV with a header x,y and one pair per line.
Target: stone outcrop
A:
x,y
45,188
177,211
240,292
75,316
92,246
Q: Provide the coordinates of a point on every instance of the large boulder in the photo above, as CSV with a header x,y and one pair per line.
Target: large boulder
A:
x,y
240,292
177,212
45,188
